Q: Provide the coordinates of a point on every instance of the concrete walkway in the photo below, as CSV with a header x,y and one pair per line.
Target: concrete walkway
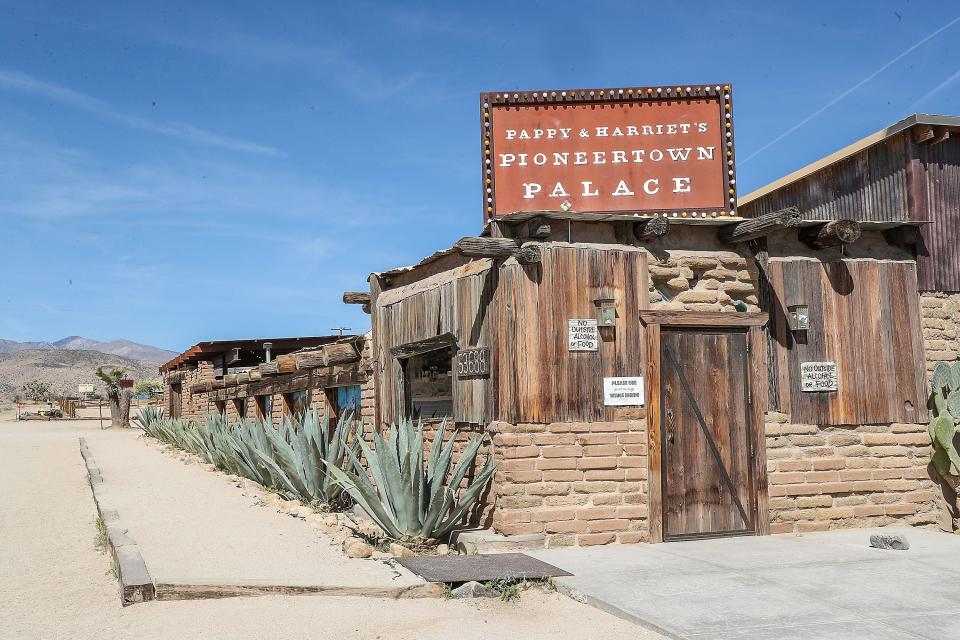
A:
x,y
195,527
54,582
823,586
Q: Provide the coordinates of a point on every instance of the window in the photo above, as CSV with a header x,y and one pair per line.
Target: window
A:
x,y
240,406
295,404
265,408
176,400
341,400
221,406
429,384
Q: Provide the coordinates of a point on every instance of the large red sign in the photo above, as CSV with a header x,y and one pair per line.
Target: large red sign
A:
x,y
652,150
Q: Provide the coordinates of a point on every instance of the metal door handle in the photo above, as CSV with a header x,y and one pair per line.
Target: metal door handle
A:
x,y
669,425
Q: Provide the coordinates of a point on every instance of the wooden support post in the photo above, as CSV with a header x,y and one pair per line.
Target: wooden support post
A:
x,y
356,297
760,226
539,228
940,134
830,234
651,229
922,133
474,247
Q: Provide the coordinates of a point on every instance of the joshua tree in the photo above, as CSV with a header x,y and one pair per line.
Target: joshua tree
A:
x,y
118,396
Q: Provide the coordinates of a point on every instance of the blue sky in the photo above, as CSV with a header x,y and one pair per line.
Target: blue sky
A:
x,y
182,171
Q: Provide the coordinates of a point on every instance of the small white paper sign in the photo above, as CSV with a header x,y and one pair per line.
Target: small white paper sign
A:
x,y
818,376
623,392
582,335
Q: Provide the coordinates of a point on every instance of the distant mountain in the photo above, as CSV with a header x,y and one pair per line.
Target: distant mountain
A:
x,y
124,348
64,369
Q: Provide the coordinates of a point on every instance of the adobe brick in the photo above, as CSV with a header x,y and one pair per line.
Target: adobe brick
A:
x,y
635,498
521,464
896,463
847,475
808,441
632,512
919,496
631,537
566,526
884,498
520,477
781,527
804,527
796,489
553,515
563,475
520,529
638,473
887,474
554,439
631,487
599,427
631,438
899,427
595,487
901,485
597,438
822,476
512,517
589,539
597,463
786,478
599,499
853,451
554,542
519,502
603,450
604,474
559,501
562,451
868,510
874,439
545,464
548,488
900,509
806,502
843,439
614,524
796,465
596,513
886,452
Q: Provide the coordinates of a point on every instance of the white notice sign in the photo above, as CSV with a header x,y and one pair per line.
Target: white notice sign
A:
x,y
818,376
622,392
582,335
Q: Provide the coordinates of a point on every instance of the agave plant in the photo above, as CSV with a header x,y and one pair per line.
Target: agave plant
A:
x,y
148,415
943,428
292,458
412,499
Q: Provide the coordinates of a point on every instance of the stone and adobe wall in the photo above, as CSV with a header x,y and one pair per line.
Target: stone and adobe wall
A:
x,y
574,483
708,281
940,313
823,478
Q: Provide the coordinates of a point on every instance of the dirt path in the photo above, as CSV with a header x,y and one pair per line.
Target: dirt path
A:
x,y
55,584
194,526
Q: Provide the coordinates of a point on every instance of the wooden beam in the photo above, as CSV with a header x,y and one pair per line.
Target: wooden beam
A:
x,y
830,234
356,297
539,228
474,247
340,353
286,363
268,368
233,355
760,226
922,133
672,318
651,229
940,134
905,237
366,308
411,349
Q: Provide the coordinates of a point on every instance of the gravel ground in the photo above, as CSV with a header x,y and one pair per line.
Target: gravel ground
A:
x,y
54,583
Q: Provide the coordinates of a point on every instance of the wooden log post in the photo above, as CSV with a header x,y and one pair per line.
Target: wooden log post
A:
x,y
651,229
539,228
268,368
286,363
760,226
473,247
830,234
340,353
311,359
356,297
529,254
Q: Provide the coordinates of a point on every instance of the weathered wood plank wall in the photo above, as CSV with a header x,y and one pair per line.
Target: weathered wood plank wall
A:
x,y
537,378
862,318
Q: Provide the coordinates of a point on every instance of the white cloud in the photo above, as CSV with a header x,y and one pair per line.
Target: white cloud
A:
x,y
12,80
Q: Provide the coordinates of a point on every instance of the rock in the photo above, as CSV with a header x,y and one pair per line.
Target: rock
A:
x,y
371,529
290,506
442,549
357,548
331,520
304,511
473,590
382,555
893,541
400,551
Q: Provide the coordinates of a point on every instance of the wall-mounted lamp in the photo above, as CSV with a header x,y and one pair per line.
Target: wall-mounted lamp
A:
x,y
798,317
606,312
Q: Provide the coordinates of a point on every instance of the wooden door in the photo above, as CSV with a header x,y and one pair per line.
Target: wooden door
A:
x,y
708,464
176,400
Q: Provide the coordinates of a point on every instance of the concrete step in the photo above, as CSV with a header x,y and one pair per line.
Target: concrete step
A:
x,y
470,541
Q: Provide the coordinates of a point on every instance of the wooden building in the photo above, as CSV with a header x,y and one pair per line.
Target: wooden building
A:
x,y
269,378
671,376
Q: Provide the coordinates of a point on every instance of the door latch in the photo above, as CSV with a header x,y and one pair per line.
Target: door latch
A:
x,y
669,425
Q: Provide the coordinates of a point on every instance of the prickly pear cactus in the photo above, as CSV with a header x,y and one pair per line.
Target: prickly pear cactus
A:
x,y
943,428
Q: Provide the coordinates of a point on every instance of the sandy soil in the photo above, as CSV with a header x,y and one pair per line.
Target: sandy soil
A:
x,y
55,584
